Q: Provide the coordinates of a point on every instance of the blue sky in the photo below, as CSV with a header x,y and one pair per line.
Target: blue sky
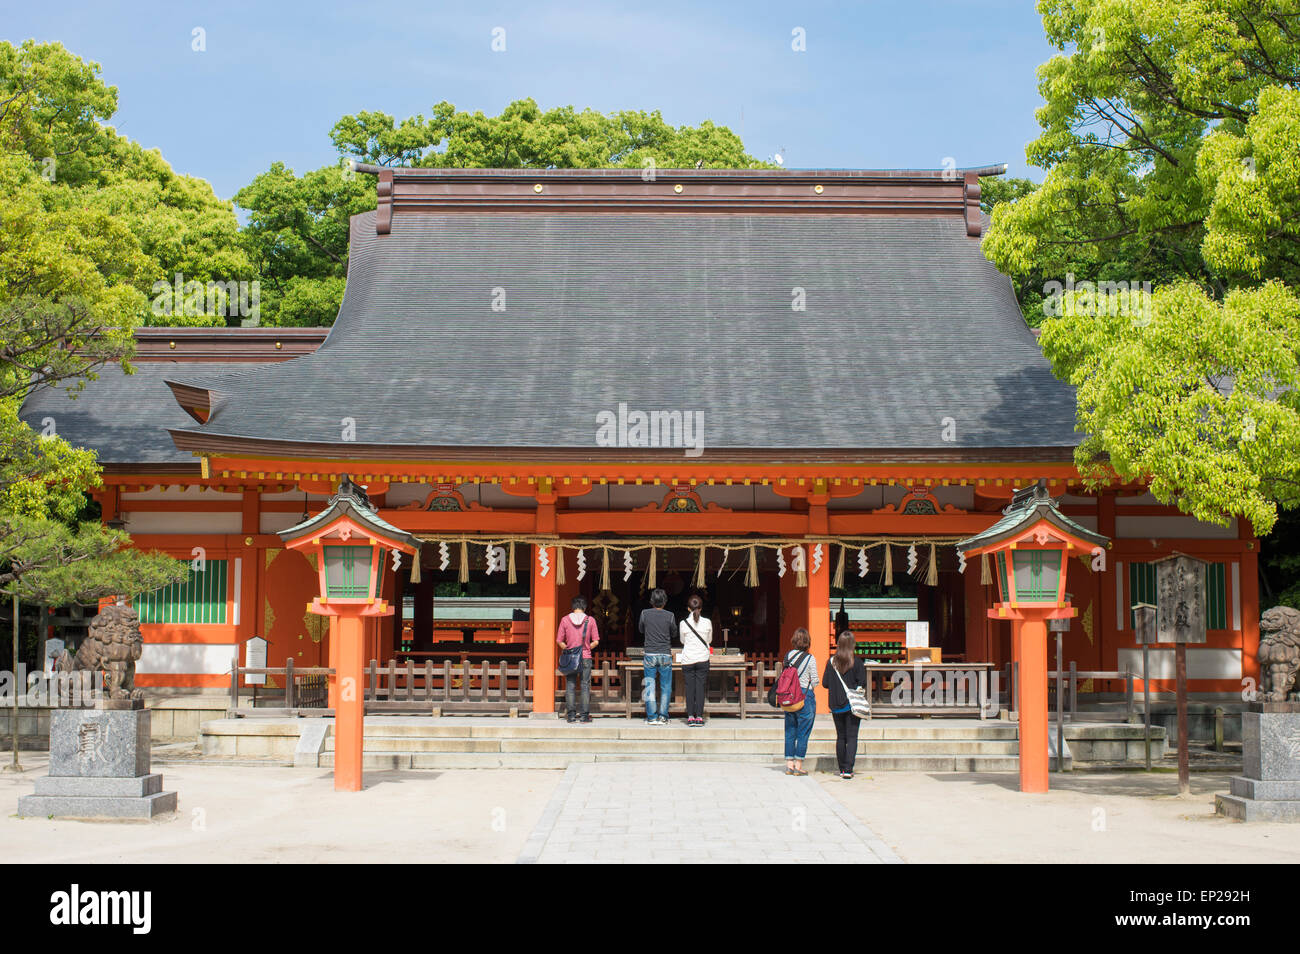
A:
x,y
882,83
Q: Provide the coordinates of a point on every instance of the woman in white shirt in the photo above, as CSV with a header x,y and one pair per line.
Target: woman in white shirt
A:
x,y
696,634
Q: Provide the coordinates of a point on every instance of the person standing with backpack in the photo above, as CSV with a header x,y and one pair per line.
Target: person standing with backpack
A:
x,y
845,678
577,630
696,634
799,716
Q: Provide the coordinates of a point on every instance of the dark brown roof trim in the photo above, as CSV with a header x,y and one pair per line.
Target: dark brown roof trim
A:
x,y
226,344
228,446
826,191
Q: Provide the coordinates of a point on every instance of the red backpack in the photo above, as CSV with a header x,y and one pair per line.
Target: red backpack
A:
x,y
788,692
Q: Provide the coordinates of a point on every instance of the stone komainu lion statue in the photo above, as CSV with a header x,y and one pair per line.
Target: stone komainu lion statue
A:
x,y
112,644
1279,652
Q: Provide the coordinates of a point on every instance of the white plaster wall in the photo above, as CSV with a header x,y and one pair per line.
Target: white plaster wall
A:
x,y
740,497
275,522
871,498
182,493
1201,663
491,495
297,495
1073,500
1187,528
174,658
401,494
1144,500
183,522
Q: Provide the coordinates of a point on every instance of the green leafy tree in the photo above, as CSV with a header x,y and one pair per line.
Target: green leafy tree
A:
x,y
1168,135
526,137
297,235
60,160
71,273
1198,396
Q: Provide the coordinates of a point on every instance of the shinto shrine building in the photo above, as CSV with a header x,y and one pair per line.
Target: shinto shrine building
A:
x,y
775,388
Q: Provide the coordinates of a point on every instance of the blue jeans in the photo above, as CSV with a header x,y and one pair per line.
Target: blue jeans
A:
x,y
798,726
658,669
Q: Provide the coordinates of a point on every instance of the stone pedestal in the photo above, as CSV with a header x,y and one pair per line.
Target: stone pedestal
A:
x,y
99,767
1269,789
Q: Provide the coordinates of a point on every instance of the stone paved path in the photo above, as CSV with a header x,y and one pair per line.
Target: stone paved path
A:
x,y
696,812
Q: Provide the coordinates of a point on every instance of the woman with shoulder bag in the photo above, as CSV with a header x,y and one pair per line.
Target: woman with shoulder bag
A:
x,y
845,680
696,634
799,723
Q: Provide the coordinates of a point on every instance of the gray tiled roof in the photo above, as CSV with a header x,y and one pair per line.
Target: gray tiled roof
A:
x,y
123,417
906,324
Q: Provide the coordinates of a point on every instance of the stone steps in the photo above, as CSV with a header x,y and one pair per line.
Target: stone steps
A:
x,y
816,762
409,742
666,746
449,728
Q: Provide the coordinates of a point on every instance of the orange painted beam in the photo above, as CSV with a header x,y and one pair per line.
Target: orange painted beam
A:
x,y
686,470
213,634
182,680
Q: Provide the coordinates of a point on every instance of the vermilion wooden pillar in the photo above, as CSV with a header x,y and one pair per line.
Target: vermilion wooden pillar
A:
x,y
1248,580
1031,649
349,712
545,621
819,623
333,661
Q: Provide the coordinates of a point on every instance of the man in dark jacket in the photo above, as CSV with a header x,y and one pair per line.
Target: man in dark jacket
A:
x,y
658,626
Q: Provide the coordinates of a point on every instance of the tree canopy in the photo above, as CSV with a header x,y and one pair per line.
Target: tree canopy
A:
x,y
1168,138
71,276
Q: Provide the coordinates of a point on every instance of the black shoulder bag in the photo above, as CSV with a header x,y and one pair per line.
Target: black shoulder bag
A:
x,y
571,658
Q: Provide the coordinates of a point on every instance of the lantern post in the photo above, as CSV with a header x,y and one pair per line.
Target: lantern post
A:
x,y
352,545
1031,546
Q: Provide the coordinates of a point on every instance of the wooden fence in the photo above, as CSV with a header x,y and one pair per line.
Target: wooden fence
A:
x,y
503,687
500,687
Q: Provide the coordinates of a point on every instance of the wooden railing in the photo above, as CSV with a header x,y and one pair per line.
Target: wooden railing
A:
x,y
1063,686
502,687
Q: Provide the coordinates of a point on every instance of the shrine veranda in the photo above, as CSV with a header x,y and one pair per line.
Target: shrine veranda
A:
x,y
757,382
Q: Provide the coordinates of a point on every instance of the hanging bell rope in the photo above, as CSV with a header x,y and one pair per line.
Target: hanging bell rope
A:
x,y
986,574
932,571
699,568
559,566
464,562
604,568
889,565
751,578
652,574
801,567
510,565
838,580
415,566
